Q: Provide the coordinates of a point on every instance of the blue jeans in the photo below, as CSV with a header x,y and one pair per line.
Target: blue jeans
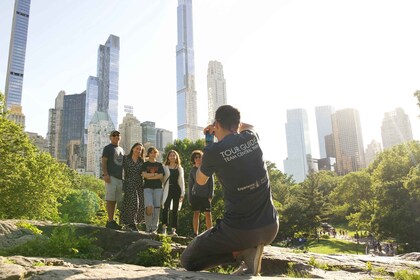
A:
x,y
153,198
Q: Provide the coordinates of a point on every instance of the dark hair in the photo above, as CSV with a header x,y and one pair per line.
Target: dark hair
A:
x,y
178,159
141,152
228,117
194,154
152,149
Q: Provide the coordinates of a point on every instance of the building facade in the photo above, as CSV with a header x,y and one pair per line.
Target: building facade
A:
x,y
216,88
99,129
299,160
73,122
17,53
348,141
54,138
131,132
372,150
148,134
185,74
396,128
324,126
163,138
108,77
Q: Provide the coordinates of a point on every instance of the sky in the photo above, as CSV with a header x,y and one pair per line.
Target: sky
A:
x,y
276,55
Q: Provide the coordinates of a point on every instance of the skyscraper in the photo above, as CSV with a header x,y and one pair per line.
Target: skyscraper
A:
x,y
372,150
348,141
17,52
299,157
55,123
324,126
131,133
185,77
108,77
216,88
73,122
396,128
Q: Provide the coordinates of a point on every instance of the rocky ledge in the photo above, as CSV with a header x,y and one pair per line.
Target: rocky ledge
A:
x,y
121,247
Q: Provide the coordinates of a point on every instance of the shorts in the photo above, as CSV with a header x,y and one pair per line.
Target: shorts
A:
x,y
113,189
201,204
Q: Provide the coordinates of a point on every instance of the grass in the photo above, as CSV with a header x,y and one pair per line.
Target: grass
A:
x,y
334,246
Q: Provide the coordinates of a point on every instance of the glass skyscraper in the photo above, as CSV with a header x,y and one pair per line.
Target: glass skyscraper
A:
x,y
324,126
348,141
17,51
299,157
108,76
185,77
216,88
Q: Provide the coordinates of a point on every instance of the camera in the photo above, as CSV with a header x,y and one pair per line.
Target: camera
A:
x,y
209,138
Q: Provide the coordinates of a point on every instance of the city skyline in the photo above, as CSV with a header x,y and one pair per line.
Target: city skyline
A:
x,y
301,53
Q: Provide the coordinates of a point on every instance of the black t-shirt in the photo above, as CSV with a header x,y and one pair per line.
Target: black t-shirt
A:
x,y
152,167
115,155
237,161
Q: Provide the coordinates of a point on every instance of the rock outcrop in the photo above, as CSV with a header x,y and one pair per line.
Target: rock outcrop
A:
x,y
121,249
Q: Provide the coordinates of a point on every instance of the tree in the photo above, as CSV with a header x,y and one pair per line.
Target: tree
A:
x,y
353,199
31,182
395,175
417,95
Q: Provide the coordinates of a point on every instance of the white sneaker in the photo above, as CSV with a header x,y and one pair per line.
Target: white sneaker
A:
x,y
252,258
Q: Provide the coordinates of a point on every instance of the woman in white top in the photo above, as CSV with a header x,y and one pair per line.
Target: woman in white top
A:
x,y
173,190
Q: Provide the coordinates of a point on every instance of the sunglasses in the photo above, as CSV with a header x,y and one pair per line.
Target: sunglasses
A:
x,y
114,135
197,157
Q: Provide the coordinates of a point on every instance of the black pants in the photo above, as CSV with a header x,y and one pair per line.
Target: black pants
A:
x,y
215,246
174,195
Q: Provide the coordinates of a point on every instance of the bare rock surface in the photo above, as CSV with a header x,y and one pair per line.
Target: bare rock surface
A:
x,y
121,249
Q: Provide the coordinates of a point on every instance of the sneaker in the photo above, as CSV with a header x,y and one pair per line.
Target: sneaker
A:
x,y
173,232
241,270
132,227
252,258
113,225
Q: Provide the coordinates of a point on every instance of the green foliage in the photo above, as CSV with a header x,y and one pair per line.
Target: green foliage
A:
x,y
28,226
2,104
80,206
407,275
333,246
63,243
417,95
223,269
30,181
158,257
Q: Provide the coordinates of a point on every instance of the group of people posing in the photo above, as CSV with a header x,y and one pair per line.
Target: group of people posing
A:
x,y
250,220
145,185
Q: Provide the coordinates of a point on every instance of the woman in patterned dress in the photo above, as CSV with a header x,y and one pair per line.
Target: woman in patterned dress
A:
x,y
132,211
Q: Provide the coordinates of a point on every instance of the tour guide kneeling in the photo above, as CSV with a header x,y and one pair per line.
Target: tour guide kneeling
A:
x,y
250,219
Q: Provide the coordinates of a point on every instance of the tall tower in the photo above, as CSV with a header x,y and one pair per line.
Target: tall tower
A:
x,y
108,76
324,127
131,133
16,65
396,128
299,158
348,141
216,88
185,77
